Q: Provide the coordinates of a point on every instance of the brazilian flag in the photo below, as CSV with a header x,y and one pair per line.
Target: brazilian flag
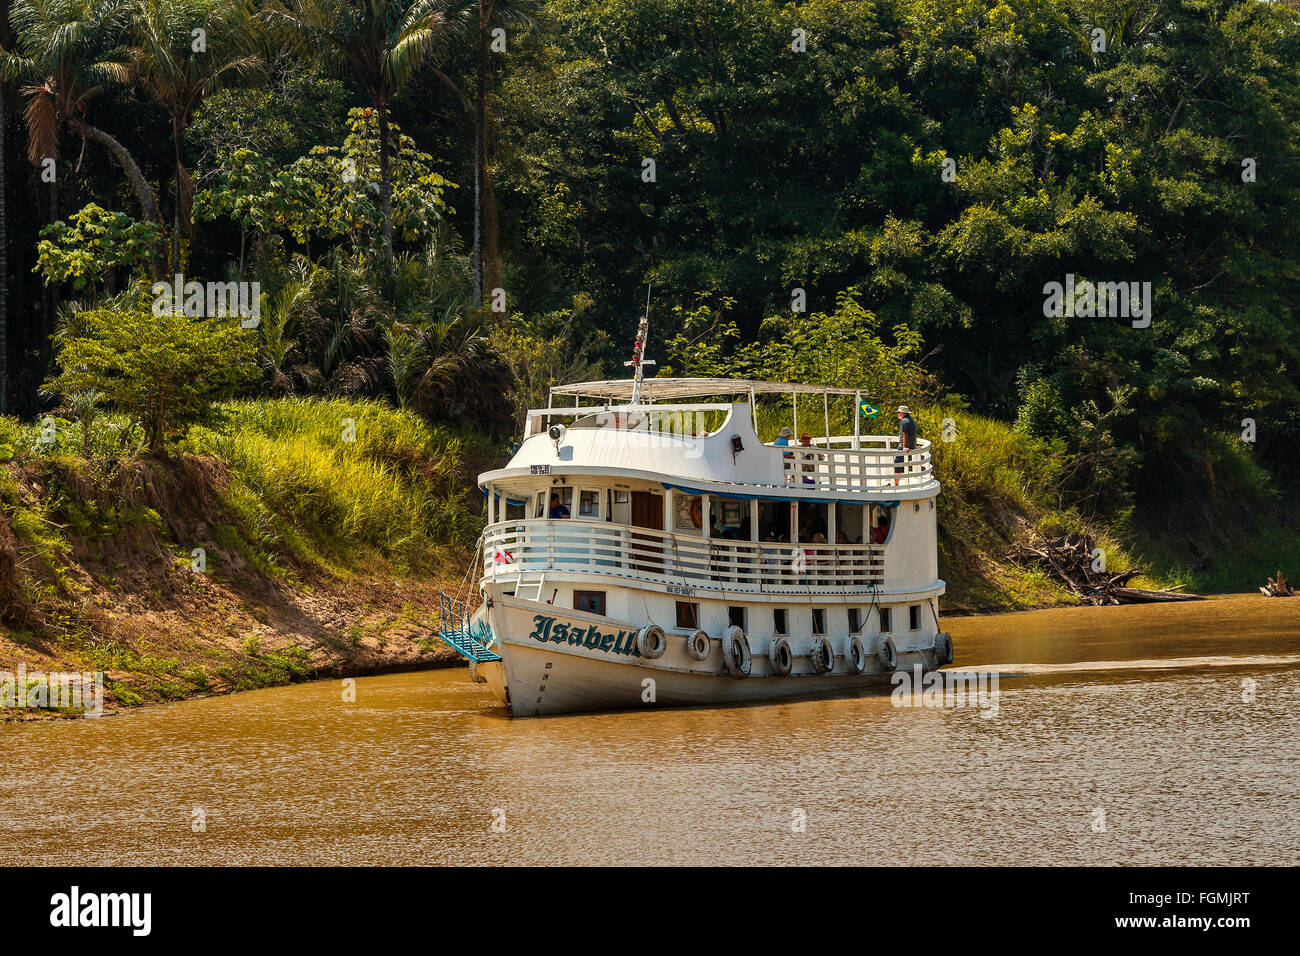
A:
x,y
870,411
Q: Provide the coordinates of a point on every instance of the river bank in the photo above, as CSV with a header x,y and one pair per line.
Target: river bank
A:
x,y
211,638
305,539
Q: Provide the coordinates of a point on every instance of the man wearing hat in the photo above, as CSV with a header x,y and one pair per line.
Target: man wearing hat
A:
x,y
784,438
906,438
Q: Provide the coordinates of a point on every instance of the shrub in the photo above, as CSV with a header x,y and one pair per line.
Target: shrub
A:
x,y
166,371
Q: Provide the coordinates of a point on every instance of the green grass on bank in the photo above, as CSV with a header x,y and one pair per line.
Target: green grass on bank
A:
x,y
331,479
331,484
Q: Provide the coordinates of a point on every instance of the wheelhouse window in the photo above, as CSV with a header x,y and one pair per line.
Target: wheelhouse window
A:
x,y
780,621
589,504
591,601
688,614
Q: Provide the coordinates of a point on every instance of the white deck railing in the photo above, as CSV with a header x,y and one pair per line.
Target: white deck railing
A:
x,y
565,544
828,467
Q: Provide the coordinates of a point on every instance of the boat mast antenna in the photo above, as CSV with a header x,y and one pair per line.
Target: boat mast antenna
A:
x,y
638,351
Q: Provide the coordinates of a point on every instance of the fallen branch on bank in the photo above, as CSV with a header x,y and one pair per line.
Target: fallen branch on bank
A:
x,y
1069,559
1277,587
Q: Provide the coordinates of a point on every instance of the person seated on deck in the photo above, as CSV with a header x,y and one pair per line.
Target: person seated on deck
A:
x,y
783,439
881,531
841,537
557,508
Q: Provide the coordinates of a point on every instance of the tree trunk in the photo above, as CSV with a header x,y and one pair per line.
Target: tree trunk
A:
x,y
148,202
488,260
184,182
480,151
385,190
7,41
51,288
4,260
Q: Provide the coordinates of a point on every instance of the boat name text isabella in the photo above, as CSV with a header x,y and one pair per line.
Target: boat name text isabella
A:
x,y
548,629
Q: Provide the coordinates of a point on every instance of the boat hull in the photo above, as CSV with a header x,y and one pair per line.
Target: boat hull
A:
x,y
557,661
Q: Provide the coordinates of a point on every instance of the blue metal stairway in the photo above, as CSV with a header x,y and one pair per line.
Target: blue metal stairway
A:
x,y
472,644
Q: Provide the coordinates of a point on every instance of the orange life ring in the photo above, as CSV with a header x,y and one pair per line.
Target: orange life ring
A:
x,y
697,513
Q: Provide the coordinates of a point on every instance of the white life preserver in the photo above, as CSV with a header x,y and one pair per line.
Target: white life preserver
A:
x,y
943,648
822,655
781,657
857,655
698,645
888,654
735,652
651,642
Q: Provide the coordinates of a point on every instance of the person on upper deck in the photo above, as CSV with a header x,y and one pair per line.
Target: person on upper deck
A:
x,y
805,441
557,508
784,437
906,438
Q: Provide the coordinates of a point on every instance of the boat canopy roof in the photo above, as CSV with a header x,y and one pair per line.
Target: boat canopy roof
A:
x,y
669,389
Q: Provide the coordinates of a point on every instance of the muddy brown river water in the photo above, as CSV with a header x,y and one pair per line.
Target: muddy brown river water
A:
x,y
1133,735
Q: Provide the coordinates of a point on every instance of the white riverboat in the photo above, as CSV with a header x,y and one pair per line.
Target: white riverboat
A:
x,y
644,548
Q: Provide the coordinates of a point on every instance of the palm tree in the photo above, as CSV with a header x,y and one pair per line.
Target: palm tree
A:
x,y
179,76
382,43
68,52
5,41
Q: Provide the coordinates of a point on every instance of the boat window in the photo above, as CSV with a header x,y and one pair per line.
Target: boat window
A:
x,y
849,523
515,511
855,620
588,504
886,624
882,521
736,616
819,620
729,518
780,624
774,521
914,617
560,502
591,601
812,523
688,614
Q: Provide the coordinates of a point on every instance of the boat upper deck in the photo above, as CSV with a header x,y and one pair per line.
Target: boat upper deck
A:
x,y
712,446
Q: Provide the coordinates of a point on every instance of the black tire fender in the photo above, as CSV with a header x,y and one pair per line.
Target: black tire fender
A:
x,y
781,657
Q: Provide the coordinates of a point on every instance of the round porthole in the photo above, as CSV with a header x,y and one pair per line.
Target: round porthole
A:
x,y
916,506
